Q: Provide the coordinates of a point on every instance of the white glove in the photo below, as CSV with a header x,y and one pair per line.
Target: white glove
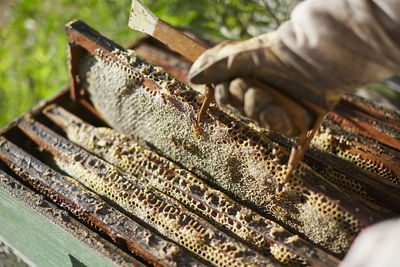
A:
x,y
376,246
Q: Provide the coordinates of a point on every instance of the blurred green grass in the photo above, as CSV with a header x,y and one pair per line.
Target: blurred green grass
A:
x,y
33,46
33,41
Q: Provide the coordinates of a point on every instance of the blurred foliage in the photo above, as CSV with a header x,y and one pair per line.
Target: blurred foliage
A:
x,y
33,41
224,19
32,36
33,46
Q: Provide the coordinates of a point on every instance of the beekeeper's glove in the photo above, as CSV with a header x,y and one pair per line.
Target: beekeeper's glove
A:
x,y
328,48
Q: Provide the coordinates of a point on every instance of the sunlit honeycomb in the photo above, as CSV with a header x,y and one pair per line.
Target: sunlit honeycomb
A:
x,y
226,152
340,146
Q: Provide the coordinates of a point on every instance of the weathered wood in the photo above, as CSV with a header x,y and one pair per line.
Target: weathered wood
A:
x,y
146,204
361,151
48,235
143,20
191,191
363,117
92,210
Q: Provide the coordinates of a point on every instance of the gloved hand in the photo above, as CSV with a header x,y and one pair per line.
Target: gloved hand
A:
x,y
252,77
377,245
326,49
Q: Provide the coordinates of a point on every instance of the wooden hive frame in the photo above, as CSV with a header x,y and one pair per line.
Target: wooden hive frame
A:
x,y
357,179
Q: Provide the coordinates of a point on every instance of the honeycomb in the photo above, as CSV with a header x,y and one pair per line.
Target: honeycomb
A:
x,y
283,256
345,182
155,209
228,153
180,184
327,139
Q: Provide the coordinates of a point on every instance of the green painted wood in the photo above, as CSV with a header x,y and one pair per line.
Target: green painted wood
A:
x,y
10,257
41,241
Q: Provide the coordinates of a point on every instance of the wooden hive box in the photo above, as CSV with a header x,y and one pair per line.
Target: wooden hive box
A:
x,y
149,190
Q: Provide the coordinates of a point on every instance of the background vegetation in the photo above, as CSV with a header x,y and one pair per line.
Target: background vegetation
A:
x,y
32,36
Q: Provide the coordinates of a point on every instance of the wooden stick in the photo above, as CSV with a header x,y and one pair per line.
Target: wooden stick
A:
x,y
208,98
143,20
300,148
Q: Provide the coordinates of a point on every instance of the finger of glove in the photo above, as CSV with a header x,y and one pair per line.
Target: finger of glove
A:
x,y
237,89
276,119
222,94
231,93
255,100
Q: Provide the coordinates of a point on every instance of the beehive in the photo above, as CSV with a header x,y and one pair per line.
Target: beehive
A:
x,y
229,153
156,192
